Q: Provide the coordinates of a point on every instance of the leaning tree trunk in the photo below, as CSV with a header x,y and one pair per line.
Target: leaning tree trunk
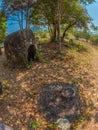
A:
x,y
66,29
63,36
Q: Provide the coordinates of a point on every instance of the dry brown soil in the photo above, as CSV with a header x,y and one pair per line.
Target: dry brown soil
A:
x,y
18,104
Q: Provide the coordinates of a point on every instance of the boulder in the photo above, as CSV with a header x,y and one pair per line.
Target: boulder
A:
x,y
63,124
16,46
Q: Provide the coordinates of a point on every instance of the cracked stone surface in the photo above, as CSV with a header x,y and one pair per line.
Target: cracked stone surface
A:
x,y
59,100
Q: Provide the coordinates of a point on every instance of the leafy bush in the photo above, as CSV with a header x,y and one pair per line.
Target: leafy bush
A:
x,y
43,34
77,36
27,64
34,124
40,55
5,85
95,41
82,34
53,125
76,46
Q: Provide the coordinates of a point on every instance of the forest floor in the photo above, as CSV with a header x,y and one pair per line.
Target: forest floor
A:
x,y
18,104
92,122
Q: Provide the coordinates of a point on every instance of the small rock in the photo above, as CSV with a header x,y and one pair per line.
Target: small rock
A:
x,y
4,127
63,124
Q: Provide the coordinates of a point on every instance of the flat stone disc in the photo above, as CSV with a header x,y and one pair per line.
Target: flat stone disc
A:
x,y
59,100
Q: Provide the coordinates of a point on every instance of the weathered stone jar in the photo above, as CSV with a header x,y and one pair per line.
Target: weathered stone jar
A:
x,y
16,46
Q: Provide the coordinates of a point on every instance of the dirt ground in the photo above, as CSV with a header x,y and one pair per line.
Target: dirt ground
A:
x,y
92,122
18,104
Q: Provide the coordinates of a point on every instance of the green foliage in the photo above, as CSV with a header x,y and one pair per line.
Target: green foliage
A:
x,y
76,46
82,34
34,124
27,64
43,34
20,10
87,1
2,26
94,40
53,125
40,57
6,85
45,12
77,35
94,29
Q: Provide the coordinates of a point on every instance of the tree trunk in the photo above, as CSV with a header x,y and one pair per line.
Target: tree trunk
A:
x,y
59,23
22,20
62,38
50,31
27,17
19,21
0,51
54,34
59,37
66,29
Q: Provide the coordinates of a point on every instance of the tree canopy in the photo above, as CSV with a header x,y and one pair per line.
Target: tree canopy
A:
x,y
18,10
58,15
70,13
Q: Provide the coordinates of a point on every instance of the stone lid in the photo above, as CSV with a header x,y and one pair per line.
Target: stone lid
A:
x,y
4,127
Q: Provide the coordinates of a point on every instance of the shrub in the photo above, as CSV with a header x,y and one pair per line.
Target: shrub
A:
x,y
34,124
76,46
53,125
95,41
27,64
40,56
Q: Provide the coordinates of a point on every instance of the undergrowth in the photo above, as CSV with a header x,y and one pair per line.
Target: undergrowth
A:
x,y
73,45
